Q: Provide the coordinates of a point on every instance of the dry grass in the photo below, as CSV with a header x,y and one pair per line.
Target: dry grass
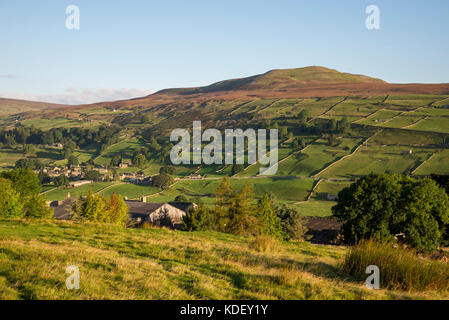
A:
x,y
400,268
118,263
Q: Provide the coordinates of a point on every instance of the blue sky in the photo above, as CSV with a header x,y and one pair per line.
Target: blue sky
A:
x,y
129,48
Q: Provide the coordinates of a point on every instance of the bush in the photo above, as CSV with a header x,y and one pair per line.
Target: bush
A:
x,y
61,181
24,181
270,222
201,219
93,175
36,208
167,170
400,268
10,200
95,208
181,198
163,181
383,206
292,222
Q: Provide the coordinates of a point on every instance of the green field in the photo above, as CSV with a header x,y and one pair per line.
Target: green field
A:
x,y
438,164
374,159
61,193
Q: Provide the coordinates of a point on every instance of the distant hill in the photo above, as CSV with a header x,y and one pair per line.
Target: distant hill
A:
x,y
299,83
14,106
282,79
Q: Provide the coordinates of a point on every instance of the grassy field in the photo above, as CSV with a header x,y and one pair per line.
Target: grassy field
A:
x,y
61,193
118,263
315,208
374,159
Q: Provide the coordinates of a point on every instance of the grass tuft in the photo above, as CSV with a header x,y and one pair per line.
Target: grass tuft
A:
x,y
400,268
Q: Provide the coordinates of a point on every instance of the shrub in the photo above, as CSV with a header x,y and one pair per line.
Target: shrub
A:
x,y
163,181
181,198
201,219
61,181
382,206
93,175
95,208
292,222
400,268
10,201
36,208
25,181
270,222
168,170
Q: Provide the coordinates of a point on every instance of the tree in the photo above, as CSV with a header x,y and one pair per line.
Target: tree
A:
x,y
283,132
36,208
61,181
92,208
181,198
303,116
116,210
242,219
43,177
29,149
73,161
292,222
93,175
168,170
384,206
163,181
25,181
154,145
139,160
95,208
343,126
270,222
33,164
201,219
10,201
116,160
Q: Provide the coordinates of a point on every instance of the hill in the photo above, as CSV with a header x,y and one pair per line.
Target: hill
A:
x,y
397,128
281,79
118,263
13,106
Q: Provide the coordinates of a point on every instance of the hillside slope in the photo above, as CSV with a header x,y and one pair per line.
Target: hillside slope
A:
x,y
14,106
118,263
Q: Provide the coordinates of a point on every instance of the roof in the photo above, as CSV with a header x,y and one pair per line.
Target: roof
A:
x,y
137,209
63,211
184,206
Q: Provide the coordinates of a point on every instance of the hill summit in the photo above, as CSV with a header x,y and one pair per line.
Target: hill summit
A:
x,y
282,79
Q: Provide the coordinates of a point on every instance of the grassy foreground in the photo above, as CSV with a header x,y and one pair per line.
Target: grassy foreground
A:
x,y
117,263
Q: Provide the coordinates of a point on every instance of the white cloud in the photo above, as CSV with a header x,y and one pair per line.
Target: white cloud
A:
x,y
75,96
8,76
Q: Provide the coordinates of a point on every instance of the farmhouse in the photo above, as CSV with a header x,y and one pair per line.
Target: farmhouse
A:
x,y
159,214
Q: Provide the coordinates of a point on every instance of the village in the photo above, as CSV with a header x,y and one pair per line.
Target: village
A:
x,y
78,175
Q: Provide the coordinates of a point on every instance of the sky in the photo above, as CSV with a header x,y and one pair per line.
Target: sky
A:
x,y
132,48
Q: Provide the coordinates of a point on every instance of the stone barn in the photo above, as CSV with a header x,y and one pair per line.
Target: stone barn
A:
x,y
158,214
